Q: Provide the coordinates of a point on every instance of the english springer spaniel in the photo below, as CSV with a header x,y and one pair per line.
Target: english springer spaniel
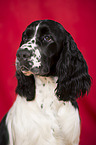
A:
x,y
51,74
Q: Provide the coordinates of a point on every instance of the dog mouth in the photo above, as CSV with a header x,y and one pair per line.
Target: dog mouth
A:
x,y
31,71
25,71
23,67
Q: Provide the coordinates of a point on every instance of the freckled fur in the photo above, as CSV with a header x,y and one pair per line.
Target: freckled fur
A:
x,y
49,120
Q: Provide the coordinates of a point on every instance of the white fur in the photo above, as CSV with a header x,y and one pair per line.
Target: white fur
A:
x,y
35,59
44,121
29,45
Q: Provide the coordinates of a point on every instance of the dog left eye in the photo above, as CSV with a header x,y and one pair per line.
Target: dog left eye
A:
x,y
47,38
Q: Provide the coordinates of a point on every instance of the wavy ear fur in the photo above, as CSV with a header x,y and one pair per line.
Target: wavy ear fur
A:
x,y
73,78
26,86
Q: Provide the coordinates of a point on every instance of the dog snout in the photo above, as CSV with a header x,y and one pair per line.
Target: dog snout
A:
x,y
23,54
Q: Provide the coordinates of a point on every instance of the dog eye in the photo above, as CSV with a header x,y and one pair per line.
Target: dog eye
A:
x,y
25,38
47,38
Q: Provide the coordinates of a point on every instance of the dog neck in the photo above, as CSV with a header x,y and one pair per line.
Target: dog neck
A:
x,y
43,83
45,90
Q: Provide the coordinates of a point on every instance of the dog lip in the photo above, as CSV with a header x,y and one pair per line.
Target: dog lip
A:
x,y
38,71
27,73
24,68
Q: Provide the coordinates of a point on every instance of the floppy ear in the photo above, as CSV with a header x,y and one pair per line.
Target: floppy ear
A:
x,y
73,78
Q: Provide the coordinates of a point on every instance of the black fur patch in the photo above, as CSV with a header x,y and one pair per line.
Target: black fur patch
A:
x,y
73,78
4,136
26,86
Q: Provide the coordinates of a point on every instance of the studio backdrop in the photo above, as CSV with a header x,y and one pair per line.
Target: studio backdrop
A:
x,y
78,18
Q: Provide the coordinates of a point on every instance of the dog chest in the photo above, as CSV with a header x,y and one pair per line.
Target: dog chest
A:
x,y
28,125
42,121
45,92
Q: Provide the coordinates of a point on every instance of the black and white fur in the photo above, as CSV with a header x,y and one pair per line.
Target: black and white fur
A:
x,y
51,74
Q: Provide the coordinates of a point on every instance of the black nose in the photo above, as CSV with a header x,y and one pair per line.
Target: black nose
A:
x,y
23,54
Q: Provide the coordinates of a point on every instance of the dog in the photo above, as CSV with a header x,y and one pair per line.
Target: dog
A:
x,y
52,73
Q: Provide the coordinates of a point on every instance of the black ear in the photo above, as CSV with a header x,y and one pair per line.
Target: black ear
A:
x,y
26,86
73,78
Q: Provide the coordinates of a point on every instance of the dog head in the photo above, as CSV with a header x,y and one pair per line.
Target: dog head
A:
x,y
40,48
47,49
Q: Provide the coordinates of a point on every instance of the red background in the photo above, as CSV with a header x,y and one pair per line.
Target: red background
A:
x,y
78,18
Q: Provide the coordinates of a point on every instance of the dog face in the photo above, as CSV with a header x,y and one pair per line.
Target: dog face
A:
x,y
40,48
47,49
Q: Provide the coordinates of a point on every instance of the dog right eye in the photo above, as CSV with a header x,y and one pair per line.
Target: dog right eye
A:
x,y
25,38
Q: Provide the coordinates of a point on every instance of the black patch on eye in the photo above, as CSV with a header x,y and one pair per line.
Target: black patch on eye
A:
x,y
25,38
27,35
46,39
29,32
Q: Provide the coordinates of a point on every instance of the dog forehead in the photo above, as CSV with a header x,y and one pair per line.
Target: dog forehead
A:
x,y
32,42
45,26
41,28
35,33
